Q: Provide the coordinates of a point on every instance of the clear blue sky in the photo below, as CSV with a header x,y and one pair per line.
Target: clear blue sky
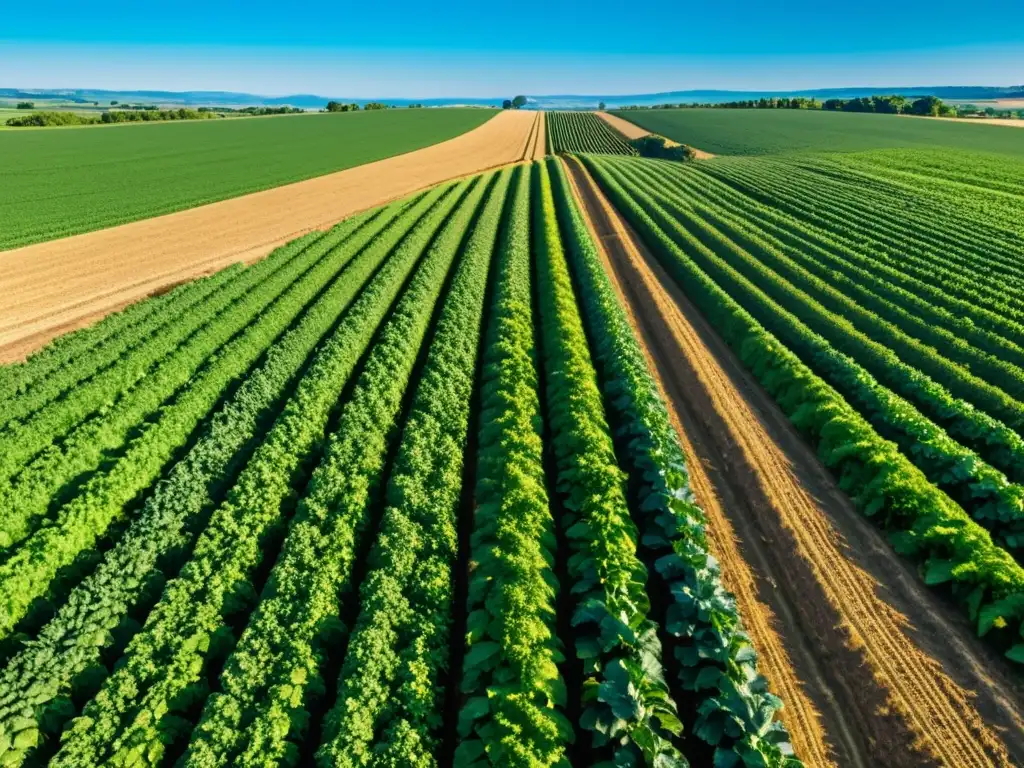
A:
x,y
418,48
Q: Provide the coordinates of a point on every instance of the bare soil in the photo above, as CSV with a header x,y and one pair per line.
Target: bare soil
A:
x,y
874,669
634,131
540,138
55,287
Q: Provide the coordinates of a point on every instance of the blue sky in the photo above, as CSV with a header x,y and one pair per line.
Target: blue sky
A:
x,y
418,49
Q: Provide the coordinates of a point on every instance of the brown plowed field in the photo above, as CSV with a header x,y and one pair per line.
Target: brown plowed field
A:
x,y
634,131
874,669
54,287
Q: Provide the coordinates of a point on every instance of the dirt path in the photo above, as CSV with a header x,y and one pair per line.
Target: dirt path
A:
x,y
534,148
540,145
873,669
54,287
634,131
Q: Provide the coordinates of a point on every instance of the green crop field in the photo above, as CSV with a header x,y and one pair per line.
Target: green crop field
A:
x,y
584,132
772,131
883,307
251,504
57,182
408,488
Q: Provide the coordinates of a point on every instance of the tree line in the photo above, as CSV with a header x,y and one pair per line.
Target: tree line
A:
x,y
46,119
337,106
140,114
893,104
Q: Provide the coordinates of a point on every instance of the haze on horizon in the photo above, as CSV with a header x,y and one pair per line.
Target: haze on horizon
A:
x,y
480,51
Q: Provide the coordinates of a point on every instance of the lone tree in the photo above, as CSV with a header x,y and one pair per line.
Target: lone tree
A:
x,y
600,106
506,104
518,102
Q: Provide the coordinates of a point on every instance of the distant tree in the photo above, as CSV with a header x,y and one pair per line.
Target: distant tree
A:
x,y
372,105
506,104
518,102
26,105
990,111
600,106
337,106
927,105
113,103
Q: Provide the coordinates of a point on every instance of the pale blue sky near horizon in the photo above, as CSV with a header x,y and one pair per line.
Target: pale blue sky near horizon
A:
x,y
407,48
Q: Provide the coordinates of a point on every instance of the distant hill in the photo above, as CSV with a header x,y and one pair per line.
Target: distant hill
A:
x,y
950,92
567,101
218,98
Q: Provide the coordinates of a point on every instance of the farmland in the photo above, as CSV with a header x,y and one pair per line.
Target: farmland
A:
x,y
317,555
915,351
61,182
771,131
63,284
892,351
590,459
584,132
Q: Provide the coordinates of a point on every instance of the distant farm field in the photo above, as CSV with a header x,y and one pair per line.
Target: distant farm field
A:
x,y
57,182
771,131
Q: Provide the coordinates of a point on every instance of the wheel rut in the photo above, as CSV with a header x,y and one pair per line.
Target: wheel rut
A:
x,y
874,669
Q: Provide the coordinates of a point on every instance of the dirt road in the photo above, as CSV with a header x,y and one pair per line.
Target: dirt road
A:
x,y
54,287
536,142
874,670
634,131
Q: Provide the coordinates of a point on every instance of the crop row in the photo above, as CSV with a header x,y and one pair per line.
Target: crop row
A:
x,y
978,486
935,231
923,522
732,709
584,132
390,688
130,716
514,692
75,357
982,490
613,635
166,526
367,527
812,204
894,295
971,186
207,353
259,703
947,392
